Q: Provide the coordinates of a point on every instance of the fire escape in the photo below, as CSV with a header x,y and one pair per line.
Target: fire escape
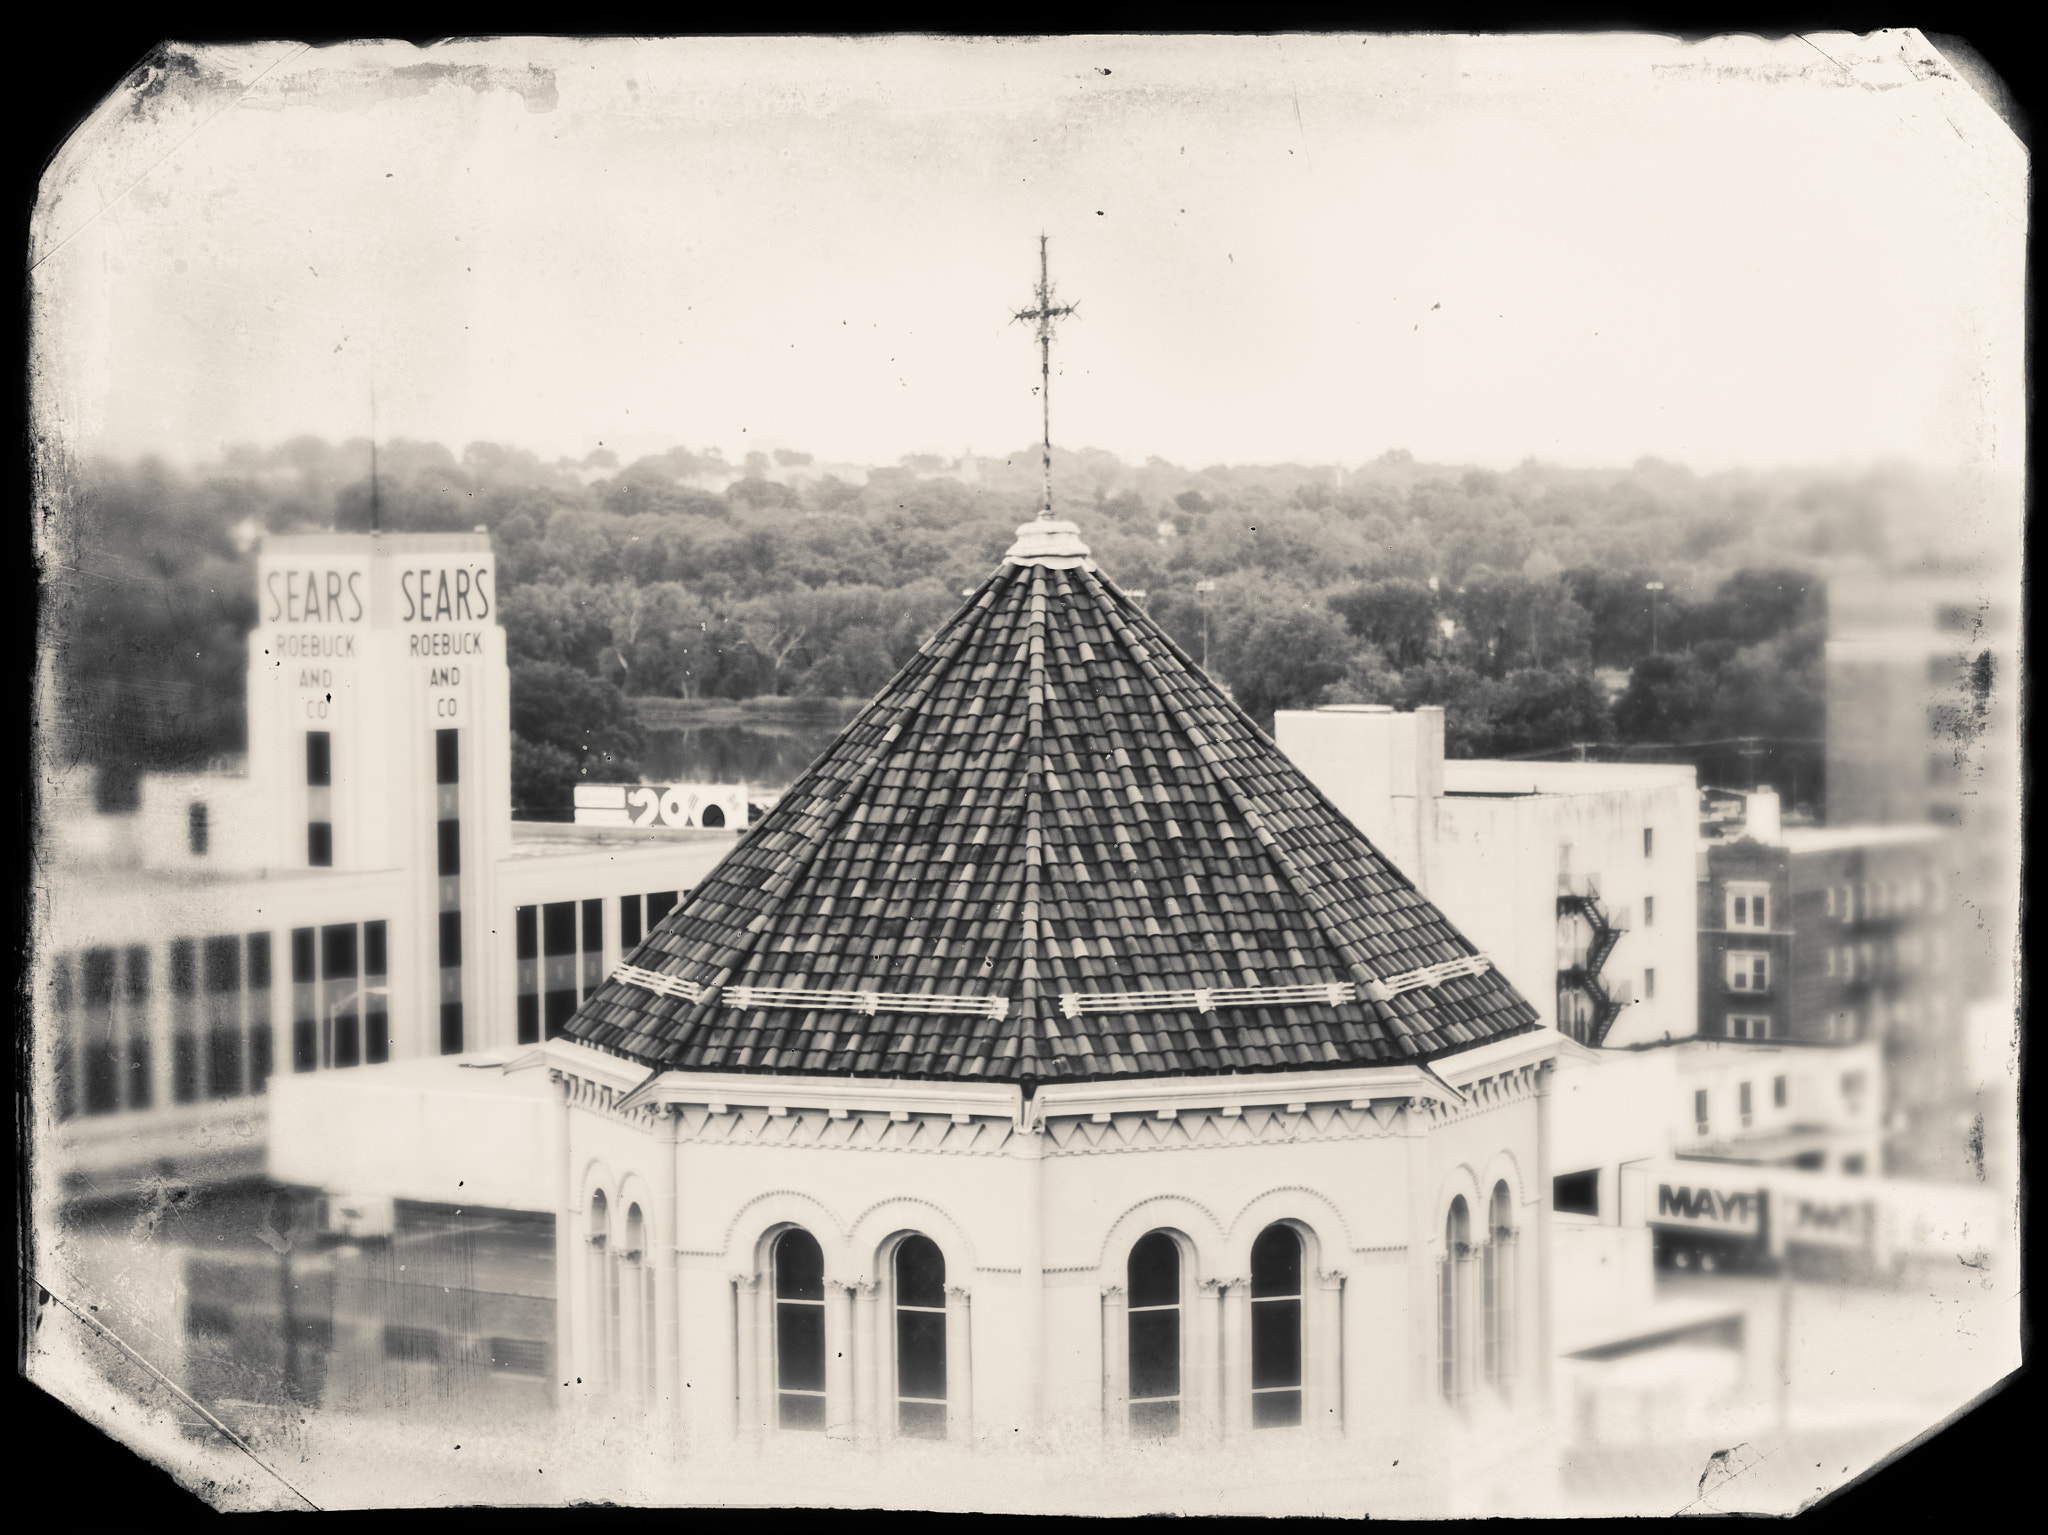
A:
x,y
1582,978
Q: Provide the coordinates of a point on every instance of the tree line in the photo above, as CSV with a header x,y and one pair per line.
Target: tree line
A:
x,y
1502,597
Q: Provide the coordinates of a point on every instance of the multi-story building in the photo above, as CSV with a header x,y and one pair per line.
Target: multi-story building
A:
x,y
1832,936
1576,876
358,893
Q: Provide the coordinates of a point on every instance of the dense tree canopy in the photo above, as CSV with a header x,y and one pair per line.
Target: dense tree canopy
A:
x,y
678,576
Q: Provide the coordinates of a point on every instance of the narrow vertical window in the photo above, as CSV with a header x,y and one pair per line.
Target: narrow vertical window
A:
x,y
1276,1328
319,800
139,1063
1742,1103
184,1032
61,1004
799,1266
602,1321
102,1052
526,951
376,995
196,828
305,1002
341,1037
1777,1092
1649,911
1649,841
1500,1290
629,924
659,904
558,954
1450,1302
447,762
260,1047
920,1339
319,759
1699,1110
593,946
448,849
224,1016
1155,1348
1649,985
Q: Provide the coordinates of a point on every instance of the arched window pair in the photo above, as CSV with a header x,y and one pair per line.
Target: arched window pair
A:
x,y
1494,1261
917,1302
1156,1335
621,1295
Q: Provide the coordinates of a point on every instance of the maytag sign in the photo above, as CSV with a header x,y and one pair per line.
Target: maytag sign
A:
x,y
705,806
1706,1206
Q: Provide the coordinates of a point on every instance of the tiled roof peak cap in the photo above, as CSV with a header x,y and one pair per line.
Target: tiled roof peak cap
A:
x,y
1046,542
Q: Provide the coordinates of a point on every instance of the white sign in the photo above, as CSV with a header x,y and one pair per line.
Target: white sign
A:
x,y
1703,1206
1824,1222
709,807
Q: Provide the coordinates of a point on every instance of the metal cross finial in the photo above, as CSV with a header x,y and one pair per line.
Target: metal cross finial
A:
x,y
1043,316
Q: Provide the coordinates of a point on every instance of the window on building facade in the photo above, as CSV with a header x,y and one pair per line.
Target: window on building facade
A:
x,y
1497,1272
1649,910
447,757
629,924
1699,1110
920,1285
1649,985
799,1276
1853,1085
448,847
1451,1303
659,904
184,1027
1155,1335
1276,1328
376,994
526,958
1777,1092
1852,1165
224,1016
558,961
341,999
1649,841
101,1050
602,1357
196,830
1749,906
1576,1193
1748,970
1742,1104
1848,904
593,946
1748,1026
1831,900
305,1002
139,1061
319,780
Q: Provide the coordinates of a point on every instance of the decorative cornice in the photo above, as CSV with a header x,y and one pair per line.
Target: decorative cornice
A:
x,y
821,1129
1198,1129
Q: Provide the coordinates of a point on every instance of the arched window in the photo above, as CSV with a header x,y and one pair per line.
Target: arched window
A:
x,y
1154,1275
920,1338
1499,1274
1276,1328
603,1305
799,1331
1451,1322
712,816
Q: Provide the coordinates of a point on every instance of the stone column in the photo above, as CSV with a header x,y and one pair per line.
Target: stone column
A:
x,y
568,1365
1421,1272
1116,1361
747,1398
1541,1330
1326,1368
839,1359
959,1366
1205,1353
663,1240
1237,1358
870,1413
1029,1147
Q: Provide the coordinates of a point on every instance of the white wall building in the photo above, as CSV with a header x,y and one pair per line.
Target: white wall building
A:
x,y
1053,1065
359,894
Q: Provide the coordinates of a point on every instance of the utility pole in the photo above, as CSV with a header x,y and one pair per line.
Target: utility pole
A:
x,y
1043,316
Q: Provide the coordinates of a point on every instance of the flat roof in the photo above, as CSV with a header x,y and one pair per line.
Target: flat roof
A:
x,y
1560,778
553,839
1828,839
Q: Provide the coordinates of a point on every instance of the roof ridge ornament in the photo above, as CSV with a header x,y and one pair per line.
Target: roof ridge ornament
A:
x,y
1046,541
1042,317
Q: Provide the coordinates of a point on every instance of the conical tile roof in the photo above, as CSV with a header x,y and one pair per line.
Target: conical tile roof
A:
x,y
1050,849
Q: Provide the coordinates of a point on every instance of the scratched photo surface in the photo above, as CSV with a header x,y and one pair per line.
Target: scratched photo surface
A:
x,y
1114,776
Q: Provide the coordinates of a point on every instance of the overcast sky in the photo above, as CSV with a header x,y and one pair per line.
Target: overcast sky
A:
x,y
1587,249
